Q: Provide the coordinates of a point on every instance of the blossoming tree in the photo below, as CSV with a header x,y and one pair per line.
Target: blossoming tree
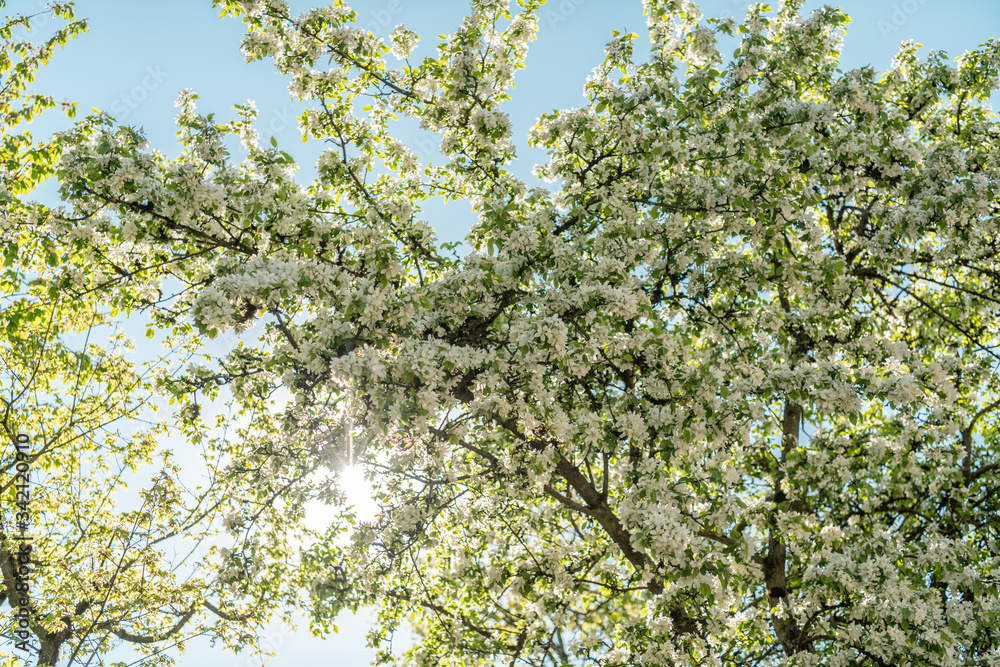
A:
x,y
727,394
104,543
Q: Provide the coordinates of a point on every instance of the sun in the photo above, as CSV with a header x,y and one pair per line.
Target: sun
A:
x,y
358,490
351,481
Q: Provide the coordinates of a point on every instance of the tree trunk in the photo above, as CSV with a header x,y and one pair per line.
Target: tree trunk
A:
x,y
785,626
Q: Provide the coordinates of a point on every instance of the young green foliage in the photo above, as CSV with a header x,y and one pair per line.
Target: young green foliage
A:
x,y
125,549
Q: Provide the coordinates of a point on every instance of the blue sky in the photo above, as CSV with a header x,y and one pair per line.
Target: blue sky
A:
x,y
139,54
